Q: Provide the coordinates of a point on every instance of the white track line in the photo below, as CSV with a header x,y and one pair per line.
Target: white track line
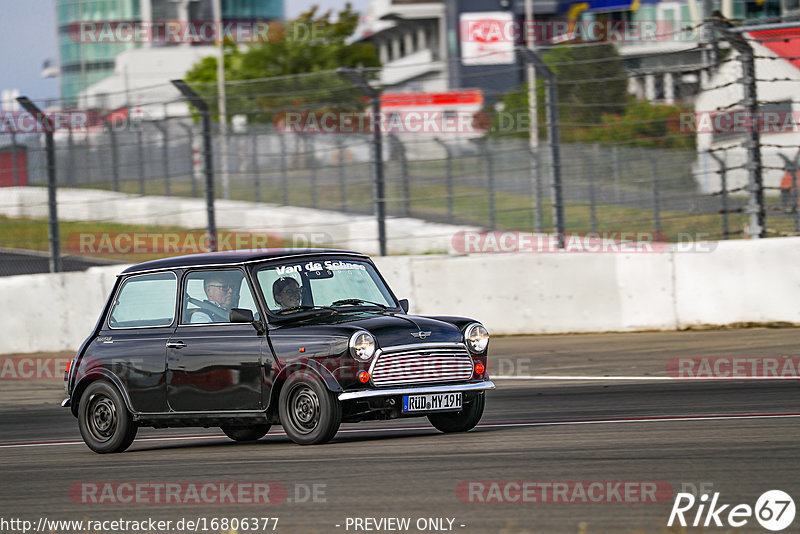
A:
x,y
652,419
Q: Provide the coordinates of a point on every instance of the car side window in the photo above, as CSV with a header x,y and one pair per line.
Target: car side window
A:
x,y
145,301
208,296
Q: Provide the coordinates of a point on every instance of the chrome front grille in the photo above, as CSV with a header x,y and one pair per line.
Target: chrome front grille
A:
x,y
421,364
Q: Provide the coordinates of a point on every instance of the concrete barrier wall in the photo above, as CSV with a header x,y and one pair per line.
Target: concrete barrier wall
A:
x,y
740,281
338,230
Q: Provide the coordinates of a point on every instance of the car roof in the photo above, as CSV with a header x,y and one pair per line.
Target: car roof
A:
x,y
234,257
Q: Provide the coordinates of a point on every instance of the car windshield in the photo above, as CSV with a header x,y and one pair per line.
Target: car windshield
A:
x,y
322,284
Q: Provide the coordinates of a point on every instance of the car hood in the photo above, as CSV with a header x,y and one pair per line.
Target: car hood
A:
x,y
391,329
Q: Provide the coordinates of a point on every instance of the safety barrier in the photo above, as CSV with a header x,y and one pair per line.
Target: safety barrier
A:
x,y
738,282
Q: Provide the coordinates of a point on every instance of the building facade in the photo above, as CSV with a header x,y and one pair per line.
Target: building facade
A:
x,y
84,63
423,46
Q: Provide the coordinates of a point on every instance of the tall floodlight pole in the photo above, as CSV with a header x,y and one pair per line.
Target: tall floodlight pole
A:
x,y
533,138
221,102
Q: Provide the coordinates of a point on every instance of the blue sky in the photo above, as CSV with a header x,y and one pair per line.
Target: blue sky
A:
x,y
28,37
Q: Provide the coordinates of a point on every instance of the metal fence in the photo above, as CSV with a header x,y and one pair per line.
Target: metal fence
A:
x,y
624,164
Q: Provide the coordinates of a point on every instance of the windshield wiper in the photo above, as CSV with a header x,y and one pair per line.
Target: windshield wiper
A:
x,y
305,307
356,302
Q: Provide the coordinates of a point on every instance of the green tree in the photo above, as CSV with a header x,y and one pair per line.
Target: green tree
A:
x,y
593,102
298,58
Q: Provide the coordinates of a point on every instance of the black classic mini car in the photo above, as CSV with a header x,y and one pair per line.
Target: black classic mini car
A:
x,y
304,338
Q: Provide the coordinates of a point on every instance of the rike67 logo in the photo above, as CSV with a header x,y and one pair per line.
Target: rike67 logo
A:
x,y
774,510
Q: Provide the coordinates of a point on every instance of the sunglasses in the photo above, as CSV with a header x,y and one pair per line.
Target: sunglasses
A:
x,y
291,291
225,287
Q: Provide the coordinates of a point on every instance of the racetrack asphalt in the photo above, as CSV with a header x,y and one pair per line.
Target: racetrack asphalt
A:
x,y
733,437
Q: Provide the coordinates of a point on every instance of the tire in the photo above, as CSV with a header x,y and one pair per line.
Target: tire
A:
x,y
245,433
310,414
461,421
105,423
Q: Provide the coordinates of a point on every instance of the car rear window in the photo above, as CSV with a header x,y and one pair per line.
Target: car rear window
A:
x,y
146,300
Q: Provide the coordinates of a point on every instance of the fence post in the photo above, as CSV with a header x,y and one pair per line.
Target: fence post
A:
x,y
795,212
313,167
483,146
256,176
377,150
342,177
71,158
617,172
400,150
589,161
202,106
448,177
140,166
14,170
656,193
724,192
114,156
490,176
190,135
537,188
47,125
284,174
755,185
165,153
531,57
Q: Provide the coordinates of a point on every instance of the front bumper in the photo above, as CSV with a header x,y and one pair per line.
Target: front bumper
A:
x,y
415,390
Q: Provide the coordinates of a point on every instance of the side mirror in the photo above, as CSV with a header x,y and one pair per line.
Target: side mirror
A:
x,y
404,305
243,315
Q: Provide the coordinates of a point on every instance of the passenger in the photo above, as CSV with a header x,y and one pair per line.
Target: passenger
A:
x,y
286,291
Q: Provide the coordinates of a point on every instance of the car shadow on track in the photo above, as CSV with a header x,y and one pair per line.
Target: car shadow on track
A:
x,y
272,440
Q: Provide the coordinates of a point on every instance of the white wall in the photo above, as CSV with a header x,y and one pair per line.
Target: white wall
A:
x,y
740,281
352,232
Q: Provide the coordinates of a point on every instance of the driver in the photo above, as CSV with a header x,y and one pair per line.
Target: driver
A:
x,y
221,292
286,291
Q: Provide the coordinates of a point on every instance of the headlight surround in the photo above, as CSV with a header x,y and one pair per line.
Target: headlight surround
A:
x,y
476,337
362,345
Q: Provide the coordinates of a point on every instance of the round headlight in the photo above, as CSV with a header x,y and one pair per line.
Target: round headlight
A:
x,y
362,345
476,337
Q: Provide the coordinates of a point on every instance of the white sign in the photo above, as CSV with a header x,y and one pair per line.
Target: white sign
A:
x,y
485,38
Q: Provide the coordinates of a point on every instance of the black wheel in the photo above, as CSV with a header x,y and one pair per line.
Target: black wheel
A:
x,y
105,423
310,414
461,421
245,433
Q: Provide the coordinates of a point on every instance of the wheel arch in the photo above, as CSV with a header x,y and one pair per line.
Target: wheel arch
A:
x,y
94,376
311,367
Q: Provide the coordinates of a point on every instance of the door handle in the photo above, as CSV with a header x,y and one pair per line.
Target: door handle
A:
x,y
175,344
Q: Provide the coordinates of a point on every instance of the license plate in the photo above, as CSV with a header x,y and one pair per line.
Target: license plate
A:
x,y
432,402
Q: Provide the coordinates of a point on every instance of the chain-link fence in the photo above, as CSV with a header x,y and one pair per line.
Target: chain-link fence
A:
x,y
629,160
